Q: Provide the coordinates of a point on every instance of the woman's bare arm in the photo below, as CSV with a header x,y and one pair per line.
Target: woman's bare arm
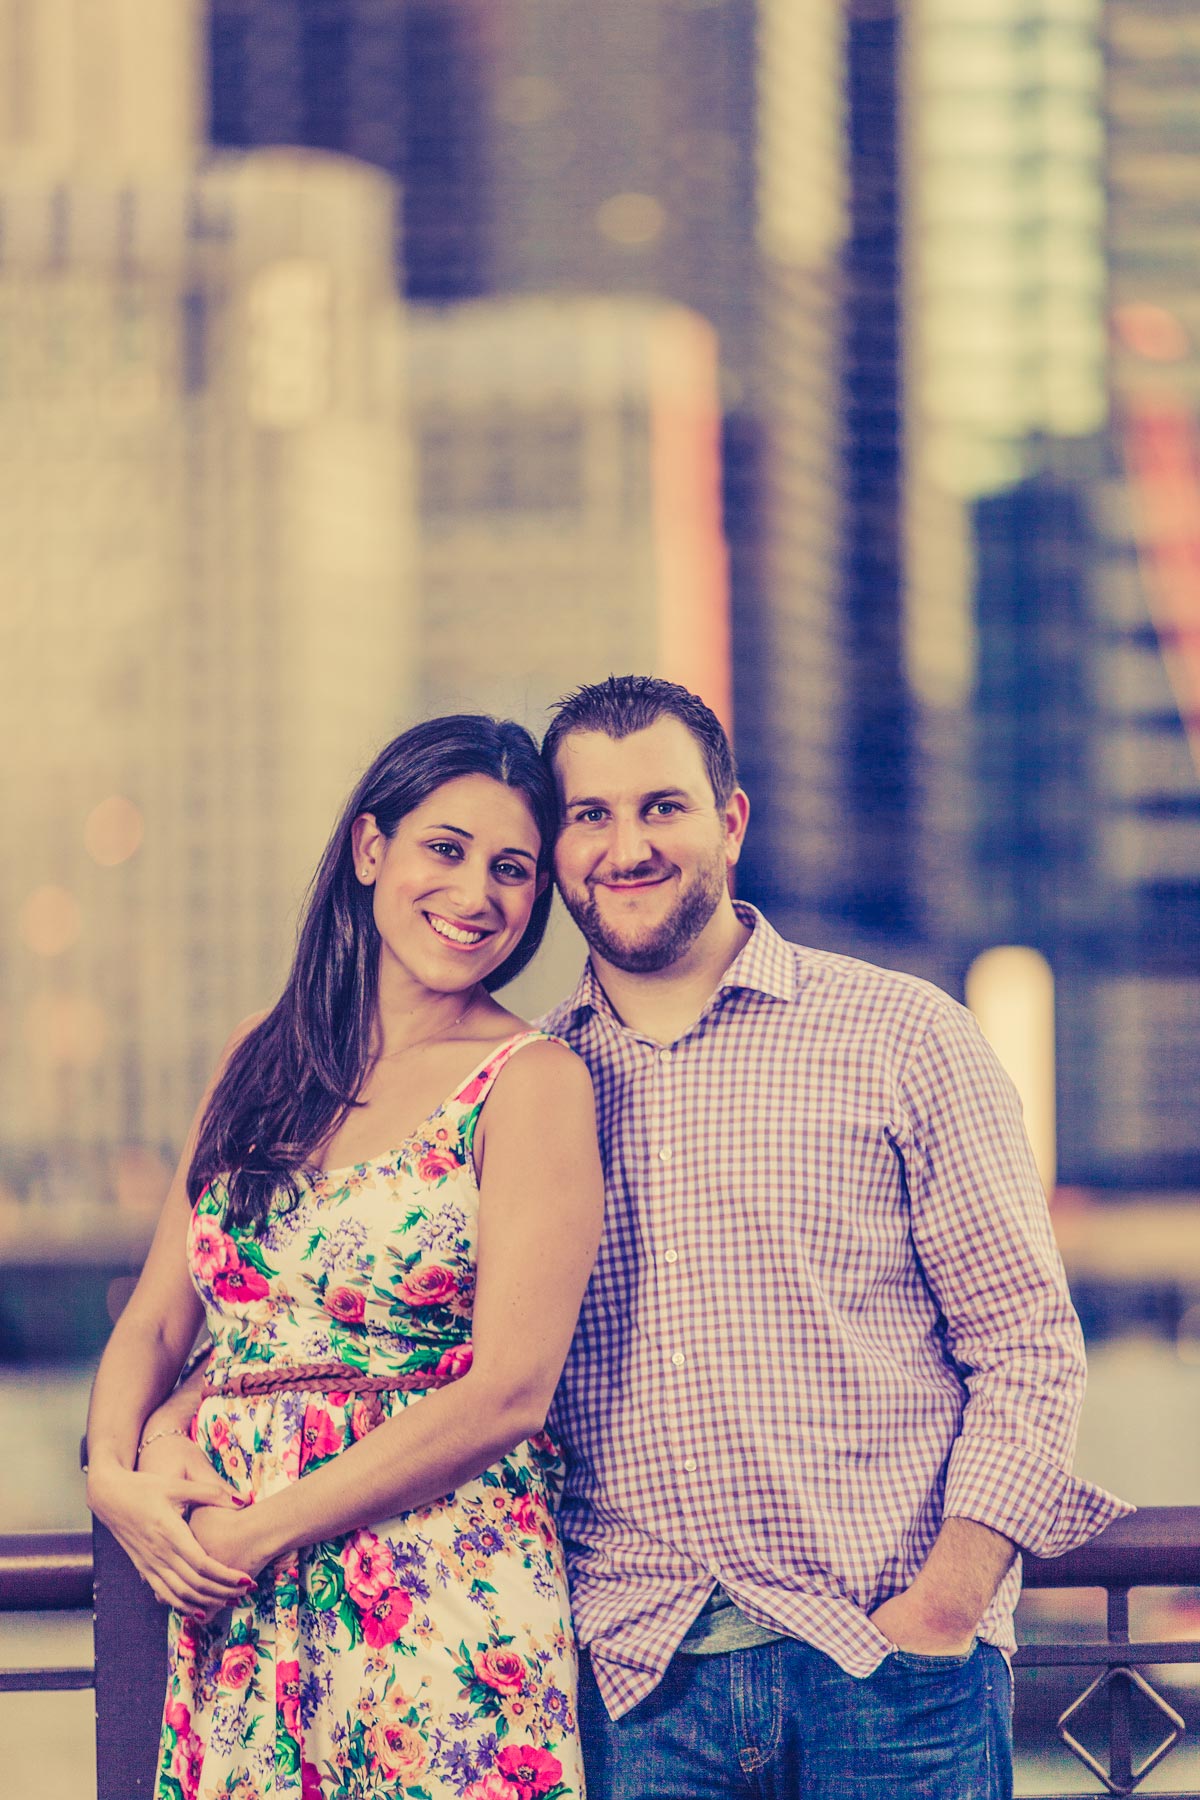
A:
x,y
541,1202
149,1344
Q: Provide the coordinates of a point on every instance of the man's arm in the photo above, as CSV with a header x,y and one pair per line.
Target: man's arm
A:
x,y
981,1232
937,1615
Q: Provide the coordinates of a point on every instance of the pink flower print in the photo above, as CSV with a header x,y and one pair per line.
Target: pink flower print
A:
x,y
524,1516
240,1285
532,1771
213,1250
500,1669
310,1781
400,1750
492,1787
345,1304
433,1163
287,1695
383,1622
473,1088
454,1363
365,1414
319,1436
178,1717
237,1666
370,1571
430,1286
187,1762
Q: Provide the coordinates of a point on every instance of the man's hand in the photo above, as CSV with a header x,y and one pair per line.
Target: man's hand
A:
x,y
904,1623
176,1459
937,1615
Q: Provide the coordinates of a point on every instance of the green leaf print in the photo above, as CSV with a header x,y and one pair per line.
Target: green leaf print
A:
x,y
349,1349
287,1754
350,1619
412,1219
314,1244
325,1584
250,1251
169,1788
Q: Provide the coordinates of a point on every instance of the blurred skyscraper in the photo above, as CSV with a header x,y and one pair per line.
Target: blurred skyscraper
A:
x,y
205,555
1046,140
569,491
674,152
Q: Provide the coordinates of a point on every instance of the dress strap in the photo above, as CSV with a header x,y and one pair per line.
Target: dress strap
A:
x,y
475,1089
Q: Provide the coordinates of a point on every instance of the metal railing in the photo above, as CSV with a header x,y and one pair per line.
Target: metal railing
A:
x,y
1157,1547
74,1571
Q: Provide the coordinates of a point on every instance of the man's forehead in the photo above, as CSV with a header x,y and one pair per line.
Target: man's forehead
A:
x,y
665,756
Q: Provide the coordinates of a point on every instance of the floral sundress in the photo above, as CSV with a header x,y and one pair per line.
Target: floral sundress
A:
x,y
430,1655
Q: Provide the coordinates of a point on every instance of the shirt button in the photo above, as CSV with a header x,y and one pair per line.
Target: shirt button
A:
x,y
664,1056
664,1156
690,1465
671,1256
679,1359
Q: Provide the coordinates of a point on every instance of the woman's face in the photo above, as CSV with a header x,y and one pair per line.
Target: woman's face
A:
x,y
455,884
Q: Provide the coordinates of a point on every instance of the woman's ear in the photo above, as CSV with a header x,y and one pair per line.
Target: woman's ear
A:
x,y
368,843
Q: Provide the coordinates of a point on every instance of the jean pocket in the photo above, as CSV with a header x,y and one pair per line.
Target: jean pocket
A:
x,y
915,1659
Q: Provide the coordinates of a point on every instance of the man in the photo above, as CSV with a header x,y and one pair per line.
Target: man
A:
x,y
827,1375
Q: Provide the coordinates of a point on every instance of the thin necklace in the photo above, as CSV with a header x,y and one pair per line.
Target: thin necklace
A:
x,y
417,1042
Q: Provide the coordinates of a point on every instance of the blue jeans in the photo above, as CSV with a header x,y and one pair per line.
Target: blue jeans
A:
x,y
783,1721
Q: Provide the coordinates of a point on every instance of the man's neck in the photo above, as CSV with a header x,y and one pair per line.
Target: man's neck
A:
x,y
667,1002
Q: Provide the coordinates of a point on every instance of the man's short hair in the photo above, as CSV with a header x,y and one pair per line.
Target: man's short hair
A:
x,y
624,704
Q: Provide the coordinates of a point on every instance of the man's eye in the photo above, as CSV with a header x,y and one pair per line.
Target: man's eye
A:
x,y
665,806
590,816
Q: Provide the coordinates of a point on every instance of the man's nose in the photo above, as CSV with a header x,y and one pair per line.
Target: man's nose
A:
x,y
629,846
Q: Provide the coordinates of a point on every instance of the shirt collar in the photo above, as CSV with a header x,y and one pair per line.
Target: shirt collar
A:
x,y
765,964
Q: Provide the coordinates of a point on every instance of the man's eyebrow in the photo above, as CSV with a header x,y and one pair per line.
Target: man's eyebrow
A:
x,y
460,831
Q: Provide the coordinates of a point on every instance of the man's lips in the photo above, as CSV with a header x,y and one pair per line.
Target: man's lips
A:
x,y
632,887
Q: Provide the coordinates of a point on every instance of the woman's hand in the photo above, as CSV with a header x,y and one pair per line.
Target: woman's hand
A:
x,y
230,1535
145,1513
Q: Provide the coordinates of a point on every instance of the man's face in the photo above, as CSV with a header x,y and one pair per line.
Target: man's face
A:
x,y
644,853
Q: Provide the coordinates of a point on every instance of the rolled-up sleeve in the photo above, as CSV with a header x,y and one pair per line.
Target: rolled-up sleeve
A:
x,y
981,1230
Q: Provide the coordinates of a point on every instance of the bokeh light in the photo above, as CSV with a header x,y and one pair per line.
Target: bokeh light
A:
x,y
632,220
50,920
113,831
65,1030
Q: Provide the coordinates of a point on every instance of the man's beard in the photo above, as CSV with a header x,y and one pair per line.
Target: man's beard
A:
x,y
670,939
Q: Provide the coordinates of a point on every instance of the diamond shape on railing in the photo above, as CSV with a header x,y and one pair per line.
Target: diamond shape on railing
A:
x,y
1138,1682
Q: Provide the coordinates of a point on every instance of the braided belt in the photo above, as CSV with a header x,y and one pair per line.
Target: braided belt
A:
x,y
323,1378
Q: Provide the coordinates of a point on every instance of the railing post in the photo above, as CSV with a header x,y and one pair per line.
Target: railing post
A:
x,y
131,1673
1120,1735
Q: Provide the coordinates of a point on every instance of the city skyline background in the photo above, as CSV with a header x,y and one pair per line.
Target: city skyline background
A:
x,y
366,359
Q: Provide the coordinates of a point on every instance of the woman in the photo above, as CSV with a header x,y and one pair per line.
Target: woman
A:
x,y
387,1212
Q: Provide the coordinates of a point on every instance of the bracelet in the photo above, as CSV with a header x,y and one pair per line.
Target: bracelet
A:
x,y
167,1431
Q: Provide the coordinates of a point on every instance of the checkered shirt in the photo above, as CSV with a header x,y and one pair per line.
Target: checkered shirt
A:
x,y
827,1311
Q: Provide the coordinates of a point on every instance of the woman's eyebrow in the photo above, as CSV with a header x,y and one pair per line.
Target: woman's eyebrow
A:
x,y
460,831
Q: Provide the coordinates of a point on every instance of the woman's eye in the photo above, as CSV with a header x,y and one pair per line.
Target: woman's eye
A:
x,y
511,870
446,849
